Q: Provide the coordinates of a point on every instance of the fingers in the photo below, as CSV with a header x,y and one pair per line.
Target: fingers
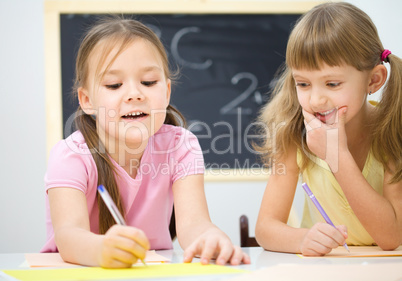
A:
x,y
228,253
136,239
342,117
322,238
246,259
225,250
343,230
238,257
216,247
310,121
204,247
132,240
332,233
191,252
315,248
208,252
120,259
324,242
122,246
307,115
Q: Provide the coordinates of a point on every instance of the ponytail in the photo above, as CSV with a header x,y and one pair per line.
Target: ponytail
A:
x,y
388,124
106,170
174,117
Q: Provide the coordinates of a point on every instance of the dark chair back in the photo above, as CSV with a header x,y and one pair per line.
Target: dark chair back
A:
x,y
172,226
245,239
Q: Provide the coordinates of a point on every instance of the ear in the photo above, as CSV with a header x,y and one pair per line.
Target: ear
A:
x,y
85,101
169,90
378,76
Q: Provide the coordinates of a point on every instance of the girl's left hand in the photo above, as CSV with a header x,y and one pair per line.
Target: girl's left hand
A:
x,y
326,140
214,244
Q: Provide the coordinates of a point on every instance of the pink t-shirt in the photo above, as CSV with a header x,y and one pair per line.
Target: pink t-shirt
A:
x,y
172,153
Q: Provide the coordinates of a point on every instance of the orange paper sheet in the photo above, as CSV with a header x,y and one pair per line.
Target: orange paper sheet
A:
x,y
360,251
319,272
45,260
55,260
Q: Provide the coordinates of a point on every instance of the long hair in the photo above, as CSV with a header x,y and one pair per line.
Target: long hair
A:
x,y
112,32
335,34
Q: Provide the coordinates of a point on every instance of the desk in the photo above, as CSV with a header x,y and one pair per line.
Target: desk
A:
x,y
259,259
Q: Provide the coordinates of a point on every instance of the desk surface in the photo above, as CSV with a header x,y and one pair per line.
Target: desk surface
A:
x,y
259,259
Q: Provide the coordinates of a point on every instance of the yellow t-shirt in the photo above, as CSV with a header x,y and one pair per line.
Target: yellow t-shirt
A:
x,y
331,197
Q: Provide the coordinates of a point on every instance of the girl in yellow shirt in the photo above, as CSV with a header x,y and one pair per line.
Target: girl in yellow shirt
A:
x,y
347,150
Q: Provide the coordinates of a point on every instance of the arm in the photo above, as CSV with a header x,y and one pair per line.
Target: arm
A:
x,y
381,215
121,246
272,231
195,231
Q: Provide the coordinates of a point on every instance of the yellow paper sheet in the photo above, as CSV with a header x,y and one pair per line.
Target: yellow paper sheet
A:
x,y
320,272
55,260
360,251
97,273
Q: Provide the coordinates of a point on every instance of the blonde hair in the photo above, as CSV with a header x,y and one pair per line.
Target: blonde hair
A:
x,y
112,32
334,34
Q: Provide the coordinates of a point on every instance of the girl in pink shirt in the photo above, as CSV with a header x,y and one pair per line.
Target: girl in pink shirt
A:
x,y
129,139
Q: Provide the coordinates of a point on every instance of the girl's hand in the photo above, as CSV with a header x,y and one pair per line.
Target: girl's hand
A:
x,y
322,238
214,244
122,246
327,140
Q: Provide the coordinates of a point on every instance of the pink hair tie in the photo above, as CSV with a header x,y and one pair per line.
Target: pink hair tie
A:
x,y
384,55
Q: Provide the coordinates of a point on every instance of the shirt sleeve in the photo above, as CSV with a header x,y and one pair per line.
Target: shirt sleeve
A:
x,y
187,156
67,167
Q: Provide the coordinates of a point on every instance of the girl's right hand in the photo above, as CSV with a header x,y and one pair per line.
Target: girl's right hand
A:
x,y
122,246
322,238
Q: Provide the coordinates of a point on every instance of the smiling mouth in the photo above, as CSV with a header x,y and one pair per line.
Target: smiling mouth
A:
x,y
325,113
134,115
326,116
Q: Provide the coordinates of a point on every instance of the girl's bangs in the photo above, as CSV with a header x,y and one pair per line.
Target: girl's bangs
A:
x,y
330,36
312,51
106,48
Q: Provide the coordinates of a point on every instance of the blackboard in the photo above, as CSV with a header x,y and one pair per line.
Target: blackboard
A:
x,y
227,64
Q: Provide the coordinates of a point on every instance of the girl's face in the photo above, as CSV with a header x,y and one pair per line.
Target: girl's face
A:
x,y
129,98
322,92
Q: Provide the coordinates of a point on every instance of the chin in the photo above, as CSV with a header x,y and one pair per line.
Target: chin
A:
x,y
135,137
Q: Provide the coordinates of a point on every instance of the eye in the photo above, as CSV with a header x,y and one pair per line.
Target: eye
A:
x,y
302,84
148,83
114,86
333,84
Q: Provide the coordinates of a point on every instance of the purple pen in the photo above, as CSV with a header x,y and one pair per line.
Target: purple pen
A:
x,y
320,209
113,208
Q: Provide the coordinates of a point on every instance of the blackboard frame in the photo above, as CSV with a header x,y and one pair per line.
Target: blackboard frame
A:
x,y
53,84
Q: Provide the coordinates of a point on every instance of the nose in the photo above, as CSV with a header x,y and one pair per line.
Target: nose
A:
x,y
134,93
317,98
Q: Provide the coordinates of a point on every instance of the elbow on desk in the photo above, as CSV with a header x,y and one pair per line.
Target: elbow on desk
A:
x,y
388,247
262,237
389,243
266,234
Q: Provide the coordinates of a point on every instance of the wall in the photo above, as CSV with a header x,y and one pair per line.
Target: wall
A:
x,y
22,119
